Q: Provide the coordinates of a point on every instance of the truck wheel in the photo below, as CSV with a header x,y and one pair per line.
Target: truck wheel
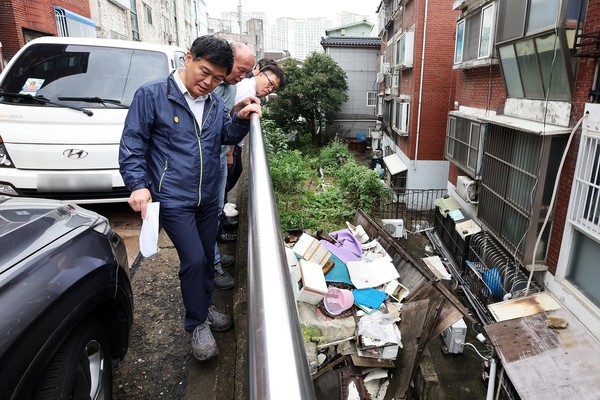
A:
x,y
81,369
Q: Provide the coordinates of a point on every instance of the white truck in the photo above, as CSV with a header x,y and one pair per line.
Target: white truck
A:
x,y
63,102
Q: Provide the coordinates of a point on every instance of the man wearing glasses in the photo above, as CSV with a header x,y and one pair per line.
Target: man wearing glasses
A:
x,y
270,79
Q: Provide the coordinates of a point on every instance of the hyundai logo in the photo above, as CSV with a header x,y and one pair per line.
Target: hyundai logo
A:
x,y
75,154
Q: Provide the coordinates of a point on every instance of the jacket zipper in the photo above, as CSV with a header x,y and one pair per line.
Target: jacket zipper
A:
x,y
200,149
162,176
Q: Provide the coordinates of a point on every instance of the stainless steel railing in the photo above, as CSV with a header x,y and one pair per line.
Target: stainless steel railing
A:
x,y
277,368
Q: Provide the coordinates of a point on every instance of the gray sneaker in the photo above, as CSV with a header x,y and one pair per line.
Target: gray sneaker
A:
x,y
222,279
227,260
204,346
219,322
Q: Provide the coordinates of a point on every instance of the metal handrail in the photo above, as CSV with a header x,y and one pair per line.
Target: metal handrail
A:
x,y
278,367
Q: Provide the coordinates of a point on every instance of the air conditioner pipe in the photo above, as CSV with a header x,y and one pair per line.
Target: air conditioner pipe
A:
x,y
553,198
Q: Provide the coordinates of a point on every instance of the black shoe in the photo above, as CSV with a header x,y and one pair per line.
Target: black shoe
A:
x,y
229,226
227,237
227,260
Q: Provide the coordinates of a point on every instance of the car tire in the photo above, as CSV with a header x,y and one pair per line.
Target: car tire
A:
x,y
81,369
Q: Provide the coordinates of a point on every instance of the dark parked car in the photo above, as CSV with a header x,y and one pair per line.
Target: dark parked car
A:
x,y
66,306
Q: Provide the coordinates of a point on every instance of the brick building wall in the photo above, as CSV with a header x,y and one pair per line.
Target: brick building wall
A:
x,y
438,79
481,87
37,16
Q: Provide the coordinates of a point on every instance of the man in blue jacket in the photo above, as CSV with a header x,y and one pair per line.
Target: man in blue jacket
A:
x,y
169,153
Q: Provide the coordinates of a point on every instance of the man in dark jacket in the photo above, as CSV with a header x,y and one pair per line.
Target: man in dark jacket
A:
x,y
169,153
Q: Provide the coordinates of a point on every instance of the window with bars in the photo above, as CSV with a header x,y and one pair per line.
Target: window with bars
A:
x,y
464,144
585,211
582,270
516,188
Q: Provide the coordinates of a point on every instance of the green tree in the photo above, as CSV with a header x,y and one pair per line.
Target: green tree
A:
x,y
313,93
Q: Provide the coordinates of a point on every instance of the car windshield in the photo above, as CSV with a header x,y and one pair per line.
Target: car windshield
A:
x,y
75,71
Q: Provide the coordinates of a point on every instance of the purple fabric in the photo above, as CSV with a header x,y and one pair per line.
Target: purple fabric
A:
x,y
349,248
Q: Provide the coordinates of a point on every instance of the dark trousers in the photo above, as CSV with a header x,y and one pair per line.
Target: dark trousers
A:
x,y
193,233
234,170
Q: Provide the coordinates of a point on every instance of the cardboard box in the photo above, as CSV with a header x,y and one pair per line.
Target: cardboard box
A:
x,y
311,286
311,249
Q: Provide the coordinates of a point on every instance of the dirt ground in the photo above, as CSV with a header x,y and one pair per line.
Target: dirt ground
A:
x,y
159,353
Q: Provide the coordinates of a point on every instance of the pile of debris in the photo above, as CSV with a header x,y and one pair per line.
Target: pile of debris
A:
x,y
367,310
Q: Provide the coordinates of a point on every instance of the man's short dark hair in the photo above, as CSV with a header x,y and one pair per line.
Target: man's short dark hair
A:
x,y
277,71
264,62
213,49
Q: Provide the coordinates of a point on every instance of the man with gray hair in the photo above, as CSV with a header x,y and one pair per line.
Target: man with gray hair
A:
x,y
243,60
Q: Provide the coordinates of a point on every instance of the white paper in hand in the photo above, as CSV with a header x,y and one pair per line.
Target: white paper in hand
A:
x,y
149,233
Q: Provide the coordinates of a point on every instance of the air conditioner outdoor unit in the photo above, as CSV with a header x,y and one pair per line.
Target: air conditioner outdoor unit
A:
x,y
454,337
394,227
467,188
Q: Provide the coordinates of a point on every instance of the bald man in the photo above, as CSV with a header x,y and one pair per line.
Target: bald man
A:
x,y
243,62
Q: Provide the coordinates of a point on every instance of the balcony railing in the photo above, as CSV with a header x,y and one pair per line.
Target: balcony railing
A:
x,y
277,367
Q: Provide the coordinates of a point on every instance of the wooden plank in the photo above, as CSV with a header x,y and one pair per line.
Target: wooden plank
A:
x,y
544,363
414,315
523,306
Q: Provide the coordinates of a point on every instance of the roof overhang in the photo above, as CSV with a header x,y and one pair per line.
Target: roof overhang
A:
x,y
394,164
525,125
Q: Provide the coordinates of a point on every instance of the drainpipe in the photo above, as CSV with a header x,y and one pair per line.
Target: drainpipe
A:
x,y
421,86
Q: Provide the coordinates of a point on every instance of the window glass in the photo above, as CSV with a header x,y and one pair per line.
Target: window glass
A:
x,y
510,71
474,146
553,67
584,270
487,24
451,135
542,14
530,70
85,71
371,99
472,32
511,19
458,48
573,12
402,49
135,28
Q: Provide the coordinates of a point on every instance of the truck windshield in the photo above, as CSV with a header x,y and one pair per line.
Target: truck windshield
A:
x,y
77,71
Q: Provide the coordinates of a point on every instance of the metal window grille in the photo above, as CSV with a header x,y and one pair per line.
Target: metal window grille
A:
x,y
508,186
586,199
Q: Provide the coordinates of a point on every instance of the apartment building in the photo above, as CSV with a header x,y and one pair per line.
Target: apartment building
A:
x,y
357,53
517,137
417,83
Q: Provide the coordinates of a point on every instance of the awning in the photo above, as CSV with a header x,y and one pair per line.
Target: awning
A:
x,y
526,125
394,164
79,18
